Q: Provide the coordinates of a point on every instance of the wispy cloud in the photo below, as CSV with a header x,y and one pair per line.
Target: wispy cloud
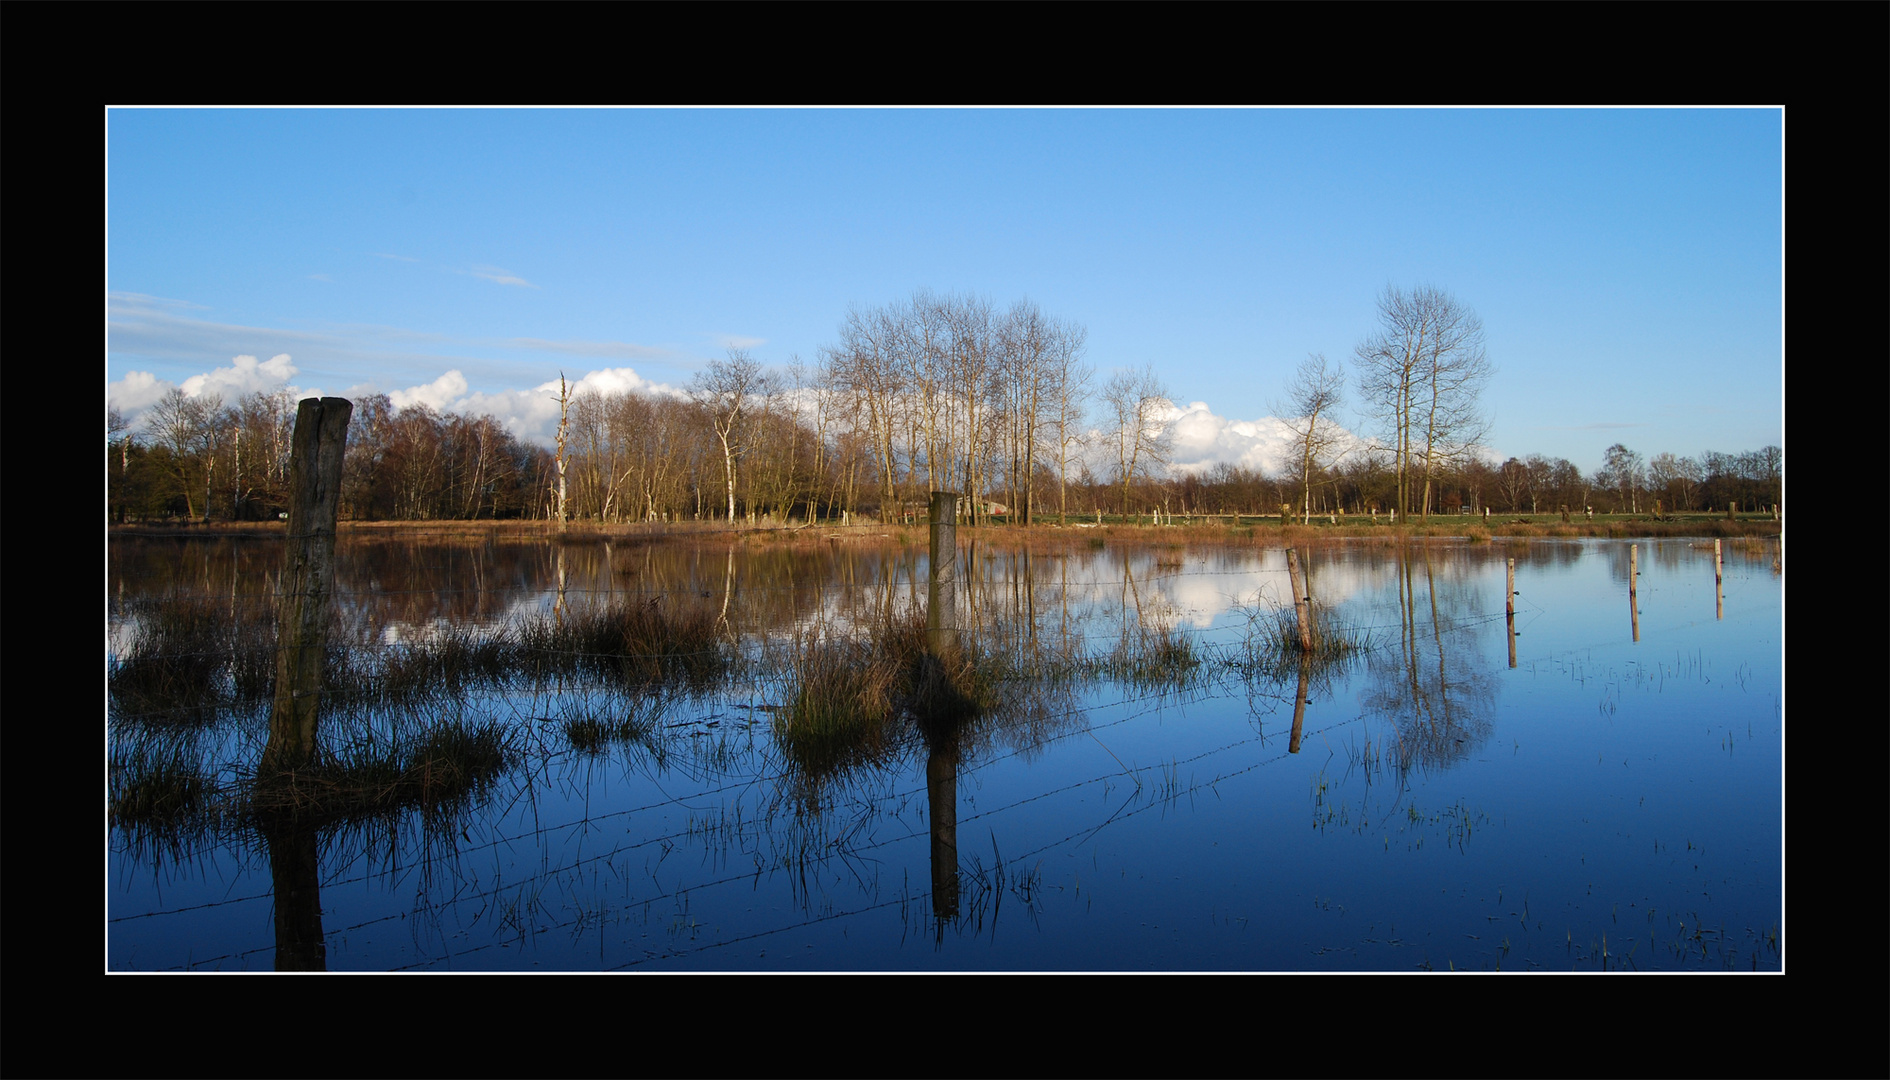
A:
x,y
133,301
499,277
736,341
396,258
614,350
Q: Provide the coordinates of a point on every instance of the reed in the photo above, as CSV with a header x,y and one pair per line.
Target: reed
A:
x,y
643,644
440,769
190,656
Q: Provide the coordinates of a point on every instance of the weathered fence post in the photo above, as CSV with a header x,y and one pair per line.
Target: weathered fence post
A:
x,y
1509,609
308,577
941,596
1300,612
1719,575
1633,587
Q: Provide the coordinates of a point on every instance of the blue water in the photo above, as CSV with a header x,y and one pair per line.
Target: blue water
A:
x,y
1606,804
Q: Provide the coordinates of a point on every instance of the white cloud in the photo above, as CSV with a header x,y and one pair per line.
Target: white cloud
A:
x,y
442,393
244,375
139,390
612,381
1203,439
500,277
136,392
528,414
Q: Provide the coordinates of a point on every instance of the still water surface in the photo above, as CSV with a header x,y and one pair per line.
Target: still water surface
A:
x,y
1604,804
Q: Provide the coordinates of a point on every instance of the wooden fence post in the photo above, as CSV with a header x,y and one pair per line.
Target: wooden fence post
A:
x,y
1633,587
941,595
1509,609
1719,575
1300,612
308,578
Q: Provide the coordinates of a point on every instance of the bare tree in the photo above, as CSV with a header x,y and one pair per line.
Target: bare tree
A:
x,y
1621,472
728,391
1137,405
1317,389
1423,374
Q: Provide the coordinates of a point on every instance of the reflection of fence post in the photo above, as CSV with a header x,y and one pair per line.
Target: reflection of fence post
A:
x,y
1633,587
295,877
941,797
941,605
308,576
1299,704
1300,612
1719,573
1509,609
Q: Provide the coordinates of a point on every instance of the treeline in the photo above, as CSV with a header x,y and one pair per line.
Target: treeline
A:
x,y
929,393
197,458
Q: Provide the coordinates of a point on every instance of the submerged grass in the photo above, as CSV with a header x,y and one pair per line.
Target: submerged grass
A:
x,y
190,656
641,643
592,731
192,660
1148,657
852,701
439,770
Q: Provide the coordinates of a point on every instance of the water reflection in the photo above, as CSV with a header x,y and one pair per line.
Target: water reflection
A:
x,y
1114,741
1432,689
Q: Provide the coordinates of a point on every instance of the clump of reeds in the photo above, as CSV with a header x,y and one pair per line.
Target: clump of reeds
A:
x,y
457,658
642,643
850,699
842,707
439,769
1274,648
189,656
592,731
1153,656
159,792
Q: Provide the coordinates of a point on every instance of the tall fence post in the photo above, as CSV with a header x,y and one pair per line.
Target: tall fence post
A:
x,y
1509,609
1301,611
308,578
1633,587
941,595
1719,577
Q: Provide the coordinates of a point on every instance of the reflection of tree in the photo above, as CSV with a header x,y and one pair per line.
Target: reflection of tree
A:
x,y
1431,688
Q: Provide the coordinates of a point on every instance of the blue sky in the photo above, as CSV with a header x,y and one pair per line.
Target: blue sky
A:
x,y
1627,263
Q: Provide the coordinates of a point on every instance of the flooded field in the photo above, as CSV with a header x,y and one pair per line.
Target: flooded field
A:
x,y
650,768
